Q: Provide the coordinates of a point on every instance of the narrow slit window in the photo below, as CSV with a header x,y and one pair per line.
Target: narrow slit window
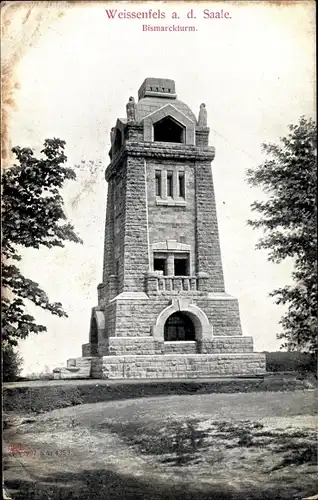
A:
x,y
158,183
181,185
170,184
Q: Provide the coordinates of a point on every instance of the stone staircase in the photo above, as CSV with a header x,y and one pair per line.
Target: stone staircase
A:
x,y
77,368
5,494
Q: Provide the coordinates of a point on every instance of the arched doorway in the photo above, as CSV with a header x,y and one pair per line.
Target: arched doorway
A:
x,y
179,326
201,326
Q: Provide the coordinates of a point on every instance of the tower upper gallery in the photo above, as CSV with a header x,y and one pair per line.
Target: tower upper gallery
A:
x,y
160,117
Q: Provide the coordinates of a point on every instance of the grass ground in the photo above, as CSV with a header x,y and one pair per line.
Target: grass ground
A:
x,y
41,396
191,447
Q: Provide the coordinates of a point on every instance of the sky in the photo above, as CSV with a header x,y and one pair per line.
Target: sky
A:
x,y
74,69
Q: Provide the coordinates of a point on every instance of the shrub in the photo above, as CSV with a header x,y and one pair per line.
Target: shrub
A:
x,y
291,361
11,364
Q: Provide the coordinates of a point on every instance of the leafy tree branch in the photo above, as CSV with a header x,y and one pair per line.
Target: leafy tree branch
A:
x,y
288,219
32,216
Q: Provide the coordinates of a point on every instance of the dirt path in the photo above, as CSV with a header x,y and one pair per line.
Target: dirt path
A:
x,y
197,447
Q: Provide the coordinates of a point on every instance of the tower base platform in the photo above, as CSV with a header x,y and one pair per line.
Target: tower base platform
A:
x,y
187,366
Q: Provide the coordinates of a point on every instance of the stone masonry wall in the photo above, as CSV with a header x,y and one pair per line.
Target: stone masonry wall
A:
x,y
223,315
226,345
96,367
136,261
180,347
118,209
86,350
77,368
108,266
115,232
121,346
135,318
170,222
110,319
180,366
232,344
207,234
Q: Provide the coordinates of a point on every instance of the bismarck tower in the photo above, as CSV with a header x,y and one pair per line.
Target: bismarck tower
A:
x,y
162,307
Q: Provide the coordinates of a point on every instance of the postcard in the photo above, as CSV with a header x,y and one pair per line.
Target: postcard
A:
x,y
158,233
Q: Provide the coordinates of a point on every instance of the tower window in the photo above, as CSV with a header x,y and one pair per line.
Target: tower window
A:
x,y
169,187
181,189
172,263
168,130
160,265
170,184
181,265
158,182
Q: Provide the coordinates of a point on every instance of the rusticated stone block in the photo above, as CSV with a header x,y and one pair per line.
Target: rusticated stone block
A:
x,y
86,350
182,366
205,346
119,346
77,368
180,347
232,344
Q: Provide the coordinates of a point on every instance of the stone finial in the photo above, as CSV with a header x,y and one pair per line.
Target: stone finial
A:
x,y
203,116
131,109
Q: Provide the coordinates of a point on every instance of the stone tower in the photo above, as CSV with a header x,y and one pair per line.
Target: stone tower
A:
x,y
162,307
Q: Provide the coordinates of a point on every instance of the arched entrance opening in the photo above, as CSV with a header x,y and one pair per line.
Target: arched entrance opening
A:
x,y
199,330
179,326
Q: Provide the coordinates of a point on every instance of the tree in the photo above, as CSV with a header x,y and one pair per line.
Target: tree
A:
x,y
32,216
288,217
11,362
